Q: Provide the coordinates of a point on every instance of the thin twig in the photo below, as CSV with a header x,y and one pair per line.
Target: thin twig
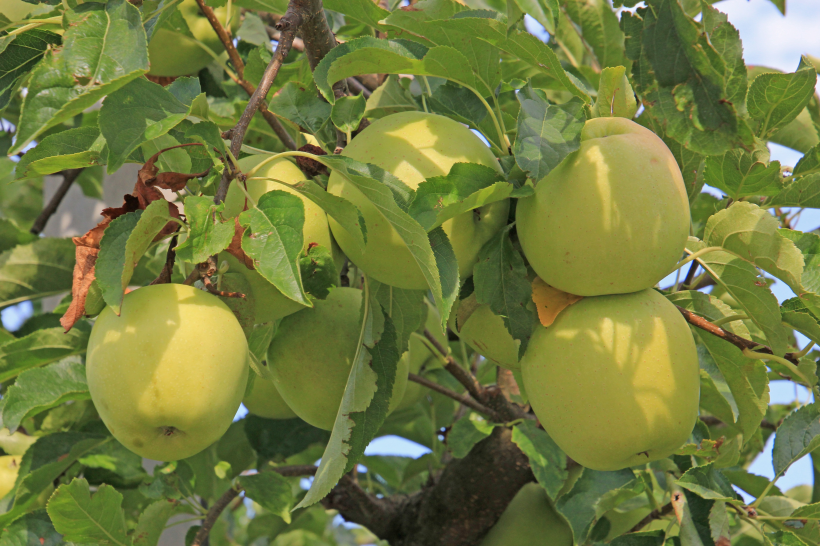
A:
x,y
69,176
734,339
463,376
287,26
359,86
653,515
209,286
239,66
167,269
690,275
466,400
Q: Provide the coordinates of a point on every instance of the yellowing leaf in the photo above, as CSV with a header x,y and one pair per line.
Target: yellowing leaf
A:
x,y
550,301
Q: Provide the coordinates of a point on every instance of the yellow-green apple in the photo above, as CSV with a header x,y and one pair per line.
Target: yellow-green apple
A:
x,y
173,53
615,380
612,218
265,401
270,303
419,354
15,443
15,10
169,373
9,467
312,354
485,333
530,519
414,146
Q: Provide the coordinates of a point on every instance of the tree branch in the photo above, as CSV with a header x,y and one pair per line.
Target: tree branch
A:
x,y
287,26
653,515
239,66
168,269
462,376
466,400
274,34
69,176
739,342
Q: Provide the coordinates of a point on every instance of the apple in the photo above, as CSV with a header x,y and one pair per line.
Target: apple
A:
x,y
615,380
169,373
312,354
265,401
9,467
414,146
418,355
529,519
612,218
173,53
485,333
270,303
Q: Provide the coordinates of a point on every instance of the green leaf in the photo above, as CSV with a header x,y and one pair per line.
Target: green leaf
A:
x,y
599,27
125,240
319,273
91,181
389,98
301,105
18,58
340,209
279,439
500,279
803,192
797,436
11,235
809,163
547,133
32,529
137,112
153,520
466,187
580,503
208,235
796,314
774,100
784,538
643,538
364,403
42,268
274,240
808,511
40,389
739,173
391,197
615,95
707,482
347,112
89,66
461,104
42,347
84,518
408,309
491,27
548,462
363,11
271,491
465,434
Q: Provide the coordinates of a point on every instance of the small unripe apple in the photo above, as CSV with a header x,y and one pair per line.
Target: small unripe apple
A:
x,y
529,519
265,401
312,354
612,218
415,146
169,373
485,333
9,468
615,380
176,54
270,303
419,354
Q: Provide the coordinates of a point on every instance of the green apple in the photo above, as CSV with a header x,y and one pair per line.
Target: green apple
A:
x,y
9,467
418,355
485,333
16,443
615,380
16,10
415,146
265,401
172,53
530,519
612,218
270,303
169,373
312,353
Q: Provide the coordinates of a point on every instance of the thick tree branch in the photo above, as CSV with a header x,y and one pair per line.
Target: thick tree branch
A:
x,y
287,25
274,34
69,176
460,398
734,339
239,66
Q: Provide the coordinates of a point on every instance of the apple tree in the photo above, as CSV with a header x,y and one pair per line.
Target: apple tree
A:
x,y
546,258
